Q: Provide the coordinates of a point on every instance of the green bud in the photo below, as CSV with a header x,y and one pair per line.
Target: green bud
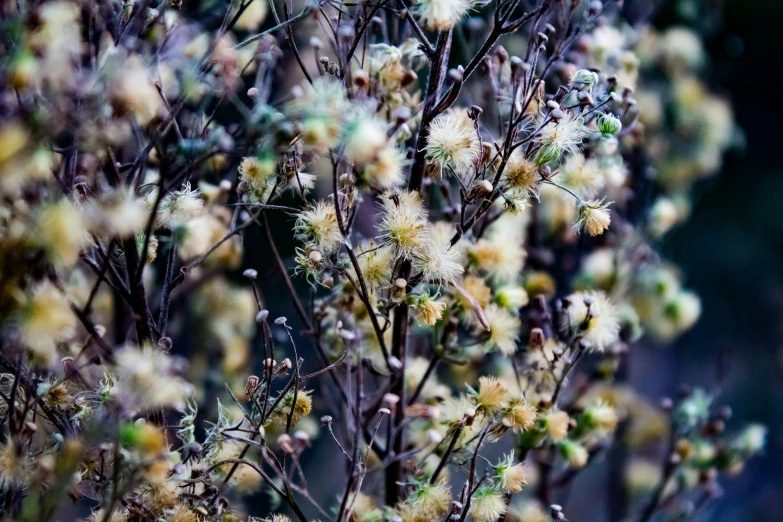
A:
x,y
547,154
584,79
609,125
573,452
694,410
752,439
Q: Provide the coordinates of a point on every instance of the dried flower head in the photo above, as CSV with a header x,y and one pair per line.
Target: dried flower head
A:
x,y
385,170
318,224
519,415
560,137
257,172
429,500
452,141
61,229
487,504
438,262
404,222
147,379
425,308
593,217
521,173
179,207
442,15
556,423
503,329
491,395
510,477
593,316
365,137
46,319
581,175
375,262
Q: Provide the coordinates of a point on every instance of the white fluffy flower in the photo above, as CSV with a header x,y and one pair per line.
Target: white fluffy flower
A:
x,y
563,136
442,15
438,263
582,175
453,141
593,217
593,316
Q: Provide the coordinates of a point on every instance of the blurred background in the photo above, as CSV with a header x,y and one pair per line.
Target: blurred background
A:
x,y
731,251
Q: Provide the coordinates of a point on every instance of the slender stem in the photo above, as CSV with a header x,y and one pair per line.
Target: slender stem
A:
x,y
444,460
301,16
430,369
434,83
165,301
472,474
669,467
284,273
141,311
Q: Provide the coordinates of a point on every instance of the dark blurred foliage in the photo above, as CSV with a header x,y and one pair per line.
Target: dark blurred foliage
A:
x,y
731,250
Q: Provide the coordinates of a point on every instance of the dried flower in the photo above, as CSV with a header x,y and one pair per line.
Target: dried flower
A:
x,y
593,316
593,217
146,379
520,173
581,175
385,170
365,137
61,231
503,329
442,15
46,319
563,136
491,394
180,207
510,477
487,504
556,423
477,288
257,172
319,224
375,263
519,415
453,141
429,500
404,222
438,262
425,308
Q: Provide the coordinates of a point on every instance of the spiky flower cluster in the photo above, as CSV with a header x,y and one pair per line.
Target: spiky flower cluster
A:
x,y
166,193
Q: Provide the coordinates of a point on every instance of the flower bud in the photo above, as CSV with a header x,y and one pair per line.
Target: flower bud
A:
x,y
584,79
391,399
397,292
480,190
574,453
609,125
286,443
252,385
